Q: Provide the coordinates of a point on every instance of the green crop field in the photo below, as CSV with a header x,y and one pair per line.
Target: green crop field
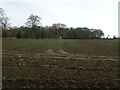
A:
x,y
59,63
83,47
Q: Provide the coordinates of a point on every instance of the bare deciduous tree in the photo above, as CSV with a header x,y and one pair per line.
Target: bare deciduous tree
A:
x,y
33,21
3,19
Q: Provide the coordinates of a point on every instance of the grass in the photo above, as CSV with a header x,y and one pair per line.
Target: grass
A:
x,y
84,47
30,67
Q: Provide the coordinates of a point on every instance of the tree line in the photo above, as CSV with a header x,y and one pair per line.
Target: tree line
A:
x,y
50,32
33,29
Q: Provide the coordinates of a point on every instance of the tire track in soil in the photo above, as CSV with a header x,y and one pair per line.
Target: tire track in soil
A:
x,y
61,54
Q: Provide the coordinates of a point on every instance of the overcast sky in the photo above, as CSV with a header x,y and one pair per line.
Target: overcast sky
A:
x,y
98,14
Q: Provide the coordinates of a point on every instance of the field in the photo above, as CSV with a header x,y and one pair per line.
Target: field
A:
x,y
60,63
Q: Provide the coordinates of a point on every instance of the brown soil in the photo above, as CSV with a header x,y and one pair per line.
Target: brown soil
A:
x,y
63,82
